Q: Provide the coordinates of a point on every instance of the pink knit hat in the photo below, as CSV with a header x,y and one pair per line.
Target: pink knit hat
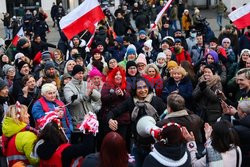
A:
x,y
95,72
141,59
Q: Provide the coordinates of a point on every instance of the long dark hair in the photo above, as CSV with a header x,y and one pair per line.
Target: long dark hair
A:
x,y
52,133
223,136
113,151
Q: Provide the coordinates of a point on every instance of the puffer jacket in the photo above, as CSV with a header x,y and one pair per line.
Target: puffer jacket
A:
x,y
24,142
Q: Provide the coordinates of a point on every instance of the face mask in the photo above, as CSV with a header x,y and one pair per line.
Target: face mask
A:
x,y
193,35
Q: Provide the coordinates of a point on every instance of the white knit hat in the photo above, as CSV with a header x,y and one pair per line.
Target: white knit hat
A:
x,y
226,40
161,55
148,43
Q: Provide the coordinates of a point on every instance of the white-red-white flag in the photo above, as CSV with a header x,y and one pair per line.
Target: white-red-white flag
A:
x,y
19,34
158,17
241,16
84,17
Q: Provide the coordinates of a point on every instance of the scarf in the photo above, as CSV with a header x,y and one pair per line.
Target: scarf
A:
x,y
149,109
215,79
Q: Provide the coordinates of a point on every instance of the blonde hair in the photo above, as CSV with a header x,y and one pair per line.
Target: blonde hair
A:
x,y
152,66
48,87
180,70
12,112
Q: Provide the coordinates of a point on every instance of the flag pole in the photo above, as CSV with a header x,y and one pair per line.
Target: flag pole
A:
x,y
8,48
83,34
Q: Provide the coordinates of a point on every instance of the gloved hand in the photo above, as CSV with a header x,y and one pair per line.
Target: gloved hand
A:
x,y
73,98
203,85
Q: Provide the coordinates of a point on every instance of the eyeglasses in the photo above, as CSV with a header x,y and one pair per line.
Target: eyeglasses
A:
x,y
226,42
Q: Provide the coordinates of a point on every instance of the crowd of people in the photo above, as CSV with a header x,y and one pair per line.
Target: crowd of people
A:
x,y
194,85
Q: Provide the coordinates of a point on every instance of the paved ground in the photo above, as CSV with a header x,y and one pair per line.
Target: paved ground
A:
x,y
53,36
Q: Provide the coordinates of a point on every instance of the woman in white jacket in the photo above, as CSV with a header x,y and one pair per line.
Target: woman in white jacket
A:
x,y
222,146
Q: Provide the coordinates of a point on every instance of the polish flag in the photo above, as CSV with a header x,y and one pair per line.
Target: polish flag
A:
x,y
241,17
18,36
158,17
84,17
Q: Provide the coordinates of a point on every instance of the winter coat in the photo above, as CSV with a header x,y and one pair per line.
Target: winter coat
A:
x,y
118,53
90,65
17,85
182,56
167,32
82,105
36,47
60,66
197,54
24,142
233,37
244,42
29,102
221,8
212,157
191,42
185,89
110,100
128,106
186,22
142,22
207,103
120,27
169,155
191,121
38,112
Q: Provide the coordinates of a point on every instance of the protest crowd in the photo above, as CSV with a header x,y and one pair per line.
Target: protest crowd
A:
x,y
164,91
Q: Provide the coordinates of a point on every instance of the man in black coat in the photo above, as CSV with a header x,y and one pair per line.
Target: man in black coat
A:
x,y
53,13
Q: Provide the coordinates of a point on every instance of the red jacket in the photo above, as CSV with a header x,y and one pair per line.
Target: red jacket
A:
x,y
56,159
182,56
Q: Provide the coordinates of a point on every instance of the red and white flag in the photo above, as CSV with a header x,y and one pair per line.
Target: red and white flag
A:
x,y
158,17
84,17
241,16
19,34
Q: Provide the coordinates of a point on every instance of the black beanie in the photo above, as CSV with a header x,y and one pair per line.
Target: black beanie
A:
x,y
212,68
77,68
129,64
21,64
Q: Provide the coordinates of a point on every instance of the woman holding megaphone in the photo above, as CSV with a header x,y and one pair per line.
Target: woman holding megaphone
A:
x,y
141,103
